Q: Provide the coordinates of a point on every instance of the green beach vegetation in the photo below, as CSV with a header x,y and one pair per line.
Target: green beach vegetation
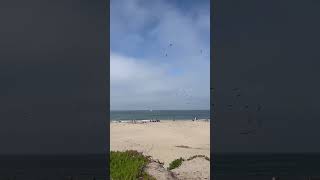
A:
x,y
131,165
128,165
203,156
175,163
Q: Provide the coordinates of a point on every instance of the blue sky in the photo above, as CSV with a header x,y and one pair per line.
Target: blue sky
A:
x,y
149,73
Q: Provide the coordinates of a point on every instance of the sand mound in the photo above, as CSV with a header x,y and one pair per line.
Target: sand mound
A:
x,y
197,168
157,170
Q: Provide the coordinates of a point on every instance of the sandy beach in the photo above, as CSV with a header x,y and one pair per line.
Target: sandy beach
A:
x,y
165,140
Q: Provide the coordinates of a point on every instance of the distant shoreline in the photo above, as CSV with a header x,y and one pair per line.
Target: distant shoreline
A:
x,y
153,121
162,115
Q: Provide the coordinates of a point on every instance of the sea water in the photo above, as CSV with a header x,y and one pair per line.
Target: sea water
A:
x,y
160,114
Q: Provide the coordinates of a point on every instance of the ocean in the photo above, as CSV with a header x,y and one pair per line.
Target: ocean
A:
x,y
160,114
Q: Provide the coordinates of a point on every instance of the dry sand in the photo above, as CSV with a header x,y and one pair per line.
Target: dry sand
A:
x,y
197,168
165,140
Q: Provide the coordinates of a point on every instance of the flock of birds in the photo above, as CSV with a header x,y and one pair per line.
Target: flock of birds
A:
x,y
185,93
237,92
171,45
246,109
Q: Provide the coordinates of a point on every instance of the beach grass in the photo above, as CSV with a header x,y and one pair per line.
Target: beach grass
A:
x,y
175,163
203,156
128,165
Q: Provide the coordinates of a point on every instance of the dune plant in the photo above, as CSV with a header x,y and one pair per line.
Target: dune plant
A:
x,y
175,163
203,156
128,165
